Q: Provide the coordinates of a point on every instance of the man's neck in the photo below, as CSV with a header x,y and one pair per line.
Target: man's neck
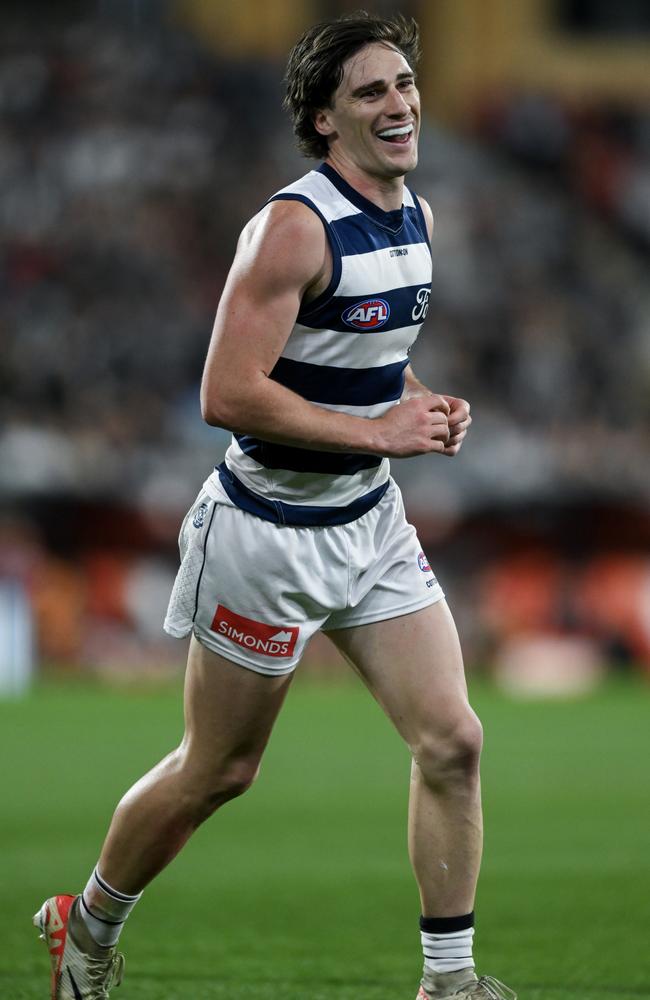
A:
x,y
385,192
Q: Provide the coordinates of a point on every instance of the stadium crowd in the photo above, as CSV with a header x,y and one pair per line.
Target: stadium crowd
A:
x,y
128,162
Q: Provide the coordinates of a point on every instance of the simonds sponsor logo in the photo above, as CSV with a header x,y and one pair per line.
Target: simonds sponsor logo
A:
x,y
369,315
270,640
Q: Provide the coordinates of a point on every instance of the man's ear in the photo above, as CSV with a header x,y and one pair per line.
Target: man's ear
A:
x,y
322,122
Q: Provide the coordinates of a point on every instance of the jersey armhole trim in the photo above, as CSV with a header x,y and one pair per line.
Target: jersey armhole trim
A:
x,y
422,220
335,247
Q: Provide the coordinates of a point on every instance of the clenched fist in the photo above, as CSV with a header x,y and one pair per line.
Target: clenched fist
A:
x,y
415,427
423,424
458,420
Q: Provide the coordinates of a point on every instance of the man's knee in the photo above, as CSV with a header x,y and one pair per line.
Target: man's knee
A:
x,y
232,779
207,787
450,757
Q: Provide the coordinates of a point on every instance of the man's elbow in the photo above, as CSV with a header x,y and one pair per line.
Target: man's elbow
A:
x,y
214,410
211,417
227,410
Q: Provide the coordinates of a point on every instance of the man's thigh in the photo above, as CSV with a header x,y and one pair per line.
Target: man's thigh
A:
x,y
413,666
229,710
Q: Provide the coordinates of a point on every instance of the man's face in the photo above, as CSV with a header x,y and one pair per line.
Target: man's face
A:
x,y
374,120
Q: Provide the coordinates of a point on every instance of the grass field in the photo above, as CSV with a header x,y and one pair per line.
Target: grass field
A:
x,y
301,890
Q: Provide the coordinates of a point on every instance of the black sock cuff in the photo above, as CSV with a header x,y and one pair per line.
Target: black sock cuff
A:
x,y
446,925
110,891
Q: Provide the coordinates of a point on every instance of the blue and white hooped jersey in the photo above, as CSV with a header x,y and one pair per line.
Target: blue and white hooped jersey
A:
x,y
347,351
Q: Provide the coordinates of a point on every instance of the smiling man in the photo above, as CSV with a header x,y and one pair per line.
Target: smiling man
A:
x,y
308,366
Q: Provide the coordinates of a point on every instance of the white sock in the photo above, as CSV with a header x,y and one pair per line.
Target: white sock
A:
x,y
104,909
447,943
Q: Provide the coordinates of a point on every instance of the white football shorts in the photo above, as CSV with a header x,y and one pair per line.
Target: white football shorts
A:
x,y
255,592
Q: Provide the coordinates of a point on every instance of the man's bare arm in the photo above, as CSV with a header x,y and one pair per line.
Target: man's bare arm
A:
x,y
282,254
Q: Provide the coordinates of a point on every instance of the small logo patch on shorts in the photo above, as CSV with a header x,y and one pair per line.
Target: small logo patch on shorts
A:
x,y
423,563
199,515
270,640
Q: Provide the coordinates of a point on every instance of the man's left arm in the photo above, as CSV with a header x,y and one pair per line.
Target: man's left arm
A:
x,y
459,418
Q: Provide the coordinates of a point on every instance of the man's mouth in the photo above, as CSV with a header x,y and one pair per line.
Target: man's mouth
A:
x,y
399,134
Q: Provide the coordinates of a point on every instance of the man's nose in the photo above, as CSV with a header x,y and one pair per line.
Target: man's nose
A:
x,y
396,105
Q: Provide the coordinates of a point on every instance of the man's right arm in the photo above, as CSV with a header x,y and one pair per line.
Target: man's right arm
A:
x,y
283,254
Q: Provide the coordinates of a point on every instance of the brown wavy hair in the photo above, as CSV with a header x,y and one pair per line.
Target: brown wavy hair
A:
x,y
315,66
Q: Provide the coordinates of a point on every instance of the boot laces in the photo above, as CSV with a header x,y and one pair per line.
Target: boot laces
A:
x,y
489,987
103,974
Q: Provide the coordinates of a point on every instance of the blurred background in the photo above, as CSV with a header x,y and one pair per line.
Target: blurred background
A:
x,y
137,137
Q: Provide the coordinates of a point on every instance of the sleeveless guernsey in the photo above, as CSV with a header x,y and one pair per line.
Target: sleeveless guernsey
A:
x,y
347,351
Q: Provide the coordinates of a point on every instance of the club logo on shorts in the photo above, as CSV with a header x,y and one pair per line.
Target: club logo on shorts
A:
x,y
199,515
270,640
423,563
368,315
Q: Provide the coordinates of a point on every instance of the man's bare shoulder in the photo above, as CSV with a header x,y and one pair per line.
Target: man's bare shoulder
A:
x,y
285,230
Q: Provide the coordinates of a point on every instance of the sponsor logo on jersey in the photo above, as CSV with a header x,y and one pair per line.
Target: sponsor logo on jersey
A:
x,y
199,515
258,637
371,314
422,308
399,252
423,563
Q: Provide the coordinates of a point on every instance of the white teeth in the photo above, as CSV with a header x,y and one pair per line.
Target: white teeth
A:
x,y
404,130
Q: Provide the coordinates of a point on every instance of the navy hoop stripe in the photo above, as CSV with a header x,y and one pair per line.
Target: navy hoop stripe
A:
x,y
351,386
278,456
358,239
401,302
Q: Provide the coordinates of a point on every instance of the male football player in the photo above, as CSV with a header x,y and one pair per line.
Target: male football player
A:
x,y
309,367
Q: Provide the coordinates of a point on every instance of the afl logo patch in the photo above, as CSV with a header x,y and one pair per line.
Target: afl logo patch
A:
x,y
423,563
371,314
199,515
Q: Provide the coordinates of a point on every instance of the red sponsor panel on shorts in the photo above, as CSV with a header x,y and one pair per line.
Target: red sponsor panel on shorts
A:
x,y
270,640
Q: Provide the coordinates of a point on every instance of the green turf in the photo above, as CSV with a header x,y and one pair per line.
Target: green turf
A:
x,y
301,890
